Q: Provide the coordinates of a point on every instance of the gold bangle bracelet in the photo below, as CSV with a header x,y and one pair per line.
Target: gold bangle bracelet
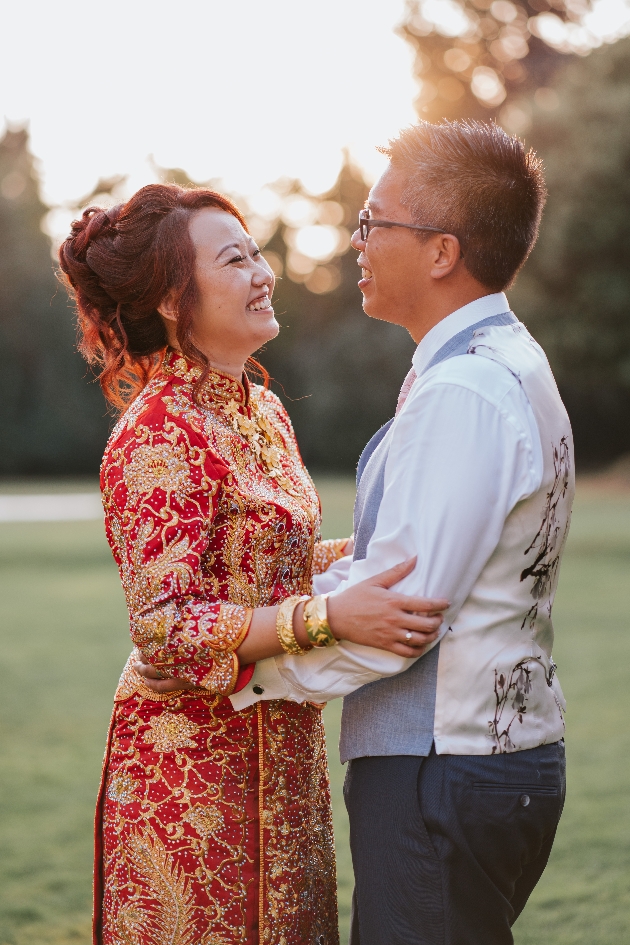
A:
x,y
316,621
284,625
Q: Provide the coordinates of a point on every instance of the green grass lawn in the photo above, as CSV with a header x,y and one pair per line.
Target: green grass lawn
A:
x,y
64,640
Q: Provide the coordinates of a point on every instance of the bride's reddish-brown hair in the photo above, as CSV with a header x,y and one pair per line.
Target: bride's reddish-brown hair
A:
x,y
120,264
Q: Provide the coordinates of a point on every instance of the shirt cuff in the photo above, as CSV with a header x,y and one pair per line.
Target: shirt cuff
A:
x,y
266,683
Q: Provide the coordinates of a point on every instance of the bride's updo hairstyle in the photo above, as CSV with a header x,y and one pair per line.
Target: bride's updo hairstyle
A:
x,y
119,265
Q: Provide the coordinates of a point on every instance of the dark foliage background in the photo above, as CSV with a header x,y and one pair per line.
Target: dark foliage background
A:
x,y
338,371
574,292
52,420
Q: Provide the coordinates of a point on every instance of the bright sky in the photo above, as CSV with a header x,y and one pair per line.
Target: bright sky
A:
x,y
239,90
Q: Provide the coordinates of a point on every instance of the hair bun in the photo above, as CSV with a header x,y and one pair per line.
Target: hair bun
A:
x,y
94,223
119,265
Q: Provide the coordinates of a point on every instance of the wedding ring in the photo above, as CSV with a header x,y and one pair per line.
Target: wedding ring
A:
x,y
408,636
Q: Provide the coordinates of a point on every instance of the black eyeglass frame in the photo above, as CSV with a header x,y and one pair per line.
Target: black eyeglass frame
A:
x,y
365,223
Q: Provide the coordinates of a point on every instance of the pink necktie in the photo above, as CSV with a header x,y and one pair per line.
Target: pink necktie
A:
x,y
404,390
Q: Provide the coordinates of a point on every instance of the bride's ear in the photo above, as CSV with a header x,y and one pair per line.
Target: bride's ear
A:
x,y
167,307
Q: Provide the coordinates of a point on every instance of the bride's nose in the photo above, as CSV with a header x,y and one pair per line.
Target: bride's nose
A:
x,y
262,276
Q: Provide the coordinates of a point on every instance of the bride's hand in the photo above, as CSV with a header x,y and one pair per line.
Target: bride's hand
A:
x,y
372,614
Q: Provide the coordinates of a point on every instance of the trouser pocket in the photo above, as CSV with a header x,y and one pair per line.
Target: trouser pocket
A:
x,y
502,787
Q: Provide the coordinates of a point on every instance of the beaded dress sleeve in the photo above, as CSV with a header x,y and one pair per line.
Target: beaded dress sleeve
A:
x,y
326,553
160,483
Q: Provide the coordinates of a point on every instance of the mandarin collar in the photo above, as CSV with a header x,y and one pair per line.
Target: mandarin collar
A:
x,y
219,387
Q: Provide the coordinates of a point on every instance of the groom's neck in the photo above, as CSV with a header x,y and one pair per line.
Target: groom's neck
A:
x,y
440,301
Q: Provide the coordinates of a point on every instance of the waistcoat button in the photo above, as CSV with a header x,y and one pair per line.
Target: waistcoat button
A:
x,y
259,691
524,799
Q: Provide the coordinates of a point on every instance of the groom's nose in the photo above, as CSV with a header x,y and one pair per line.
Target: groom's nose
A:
x,y
356,241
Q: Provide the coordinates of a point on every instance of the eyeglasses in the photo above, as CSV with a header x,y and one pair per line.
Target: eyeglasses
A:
x,y
365,225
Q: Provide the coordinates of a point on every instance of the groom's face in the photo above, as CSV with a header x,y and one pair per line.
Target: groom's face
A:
x,y
394,261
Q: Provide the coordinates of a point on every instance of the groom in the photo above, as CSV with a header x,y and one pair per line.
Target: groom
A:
x,y
456,775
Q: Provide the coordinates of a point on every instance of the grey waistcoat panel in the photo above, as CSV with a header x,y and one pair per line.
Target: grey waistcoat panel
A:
x,y
394,716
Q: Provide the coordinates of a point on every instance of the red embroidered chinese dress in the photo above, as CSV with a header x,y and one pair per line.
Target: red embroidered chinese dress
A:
x,y
214,826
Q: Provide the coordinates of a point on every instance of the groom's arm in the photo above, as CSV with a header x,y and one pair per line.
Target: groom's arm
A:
x,y
457,465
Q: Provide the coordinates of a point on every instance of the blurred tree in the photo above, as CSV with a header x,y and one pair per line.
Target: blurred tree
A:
x,y
485,58
508,60
574,293
52,421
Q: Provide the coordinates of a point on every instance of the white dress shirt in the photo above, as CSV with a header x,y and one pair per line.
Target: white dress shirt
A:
x,y
464,450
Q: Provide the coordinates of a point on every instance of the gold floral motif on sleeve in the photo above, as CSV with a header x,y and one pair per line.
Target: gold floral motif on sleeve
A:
x,y
227,631
223,675
161,488
327,552
157,467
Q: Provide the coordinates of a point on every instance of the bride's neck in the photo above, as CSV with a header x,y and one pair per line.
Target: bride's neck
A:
x,y
235,367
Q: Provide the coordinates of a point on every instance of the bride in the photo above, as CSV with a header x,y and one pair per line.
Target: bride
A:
x,y
213,825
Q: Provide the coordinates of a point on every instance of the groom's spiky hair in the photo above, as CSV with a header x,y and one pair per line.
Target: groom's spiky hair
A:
x,y
474,180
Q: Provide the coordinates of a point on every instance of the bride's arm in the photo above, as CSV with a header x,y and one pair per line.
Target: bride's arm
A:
x,y
369,613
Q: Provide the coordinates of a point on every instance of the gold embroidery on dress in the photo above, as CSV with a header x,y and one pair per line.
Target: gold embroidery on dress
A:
x,y
121,789
167,914
205,820
182,828
168,732
157,467
167,830
223,675
227,631
299,850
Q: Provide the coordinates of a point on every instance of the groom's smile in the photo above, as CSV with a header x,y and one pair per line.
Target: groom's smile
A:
x,y
412,271
391,258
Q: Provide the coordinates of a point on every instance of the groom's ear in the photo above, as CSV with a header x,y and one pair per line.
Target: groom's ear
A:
x,y
444,254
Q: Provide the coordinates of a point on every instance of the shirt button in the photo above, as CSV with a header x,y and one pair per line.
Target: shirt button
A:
x,y
259,691
524,799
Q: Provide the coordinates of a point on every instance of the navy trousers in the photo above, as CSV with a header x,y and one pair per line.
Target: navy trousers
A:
x,y
447,849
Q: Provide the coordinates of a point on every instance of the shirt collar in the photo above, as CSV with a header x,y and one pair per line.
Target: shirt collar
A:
x,y
464,317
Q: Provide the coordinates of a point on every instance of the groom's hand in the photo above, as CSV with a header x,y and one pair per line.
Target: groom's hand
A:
x,y
156,680
372,614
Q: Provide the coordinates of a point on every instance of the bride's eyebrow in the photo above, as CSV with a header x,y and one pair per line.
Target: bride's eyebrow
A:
x,y
229,246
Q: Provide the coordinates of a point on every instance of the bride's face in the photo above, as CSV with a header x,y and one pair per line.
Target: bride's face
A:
x,y
234,316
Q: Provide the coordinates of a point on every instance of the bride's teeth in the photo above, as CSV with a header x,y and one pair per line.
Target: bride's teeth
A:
x,y
259,304
367,273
